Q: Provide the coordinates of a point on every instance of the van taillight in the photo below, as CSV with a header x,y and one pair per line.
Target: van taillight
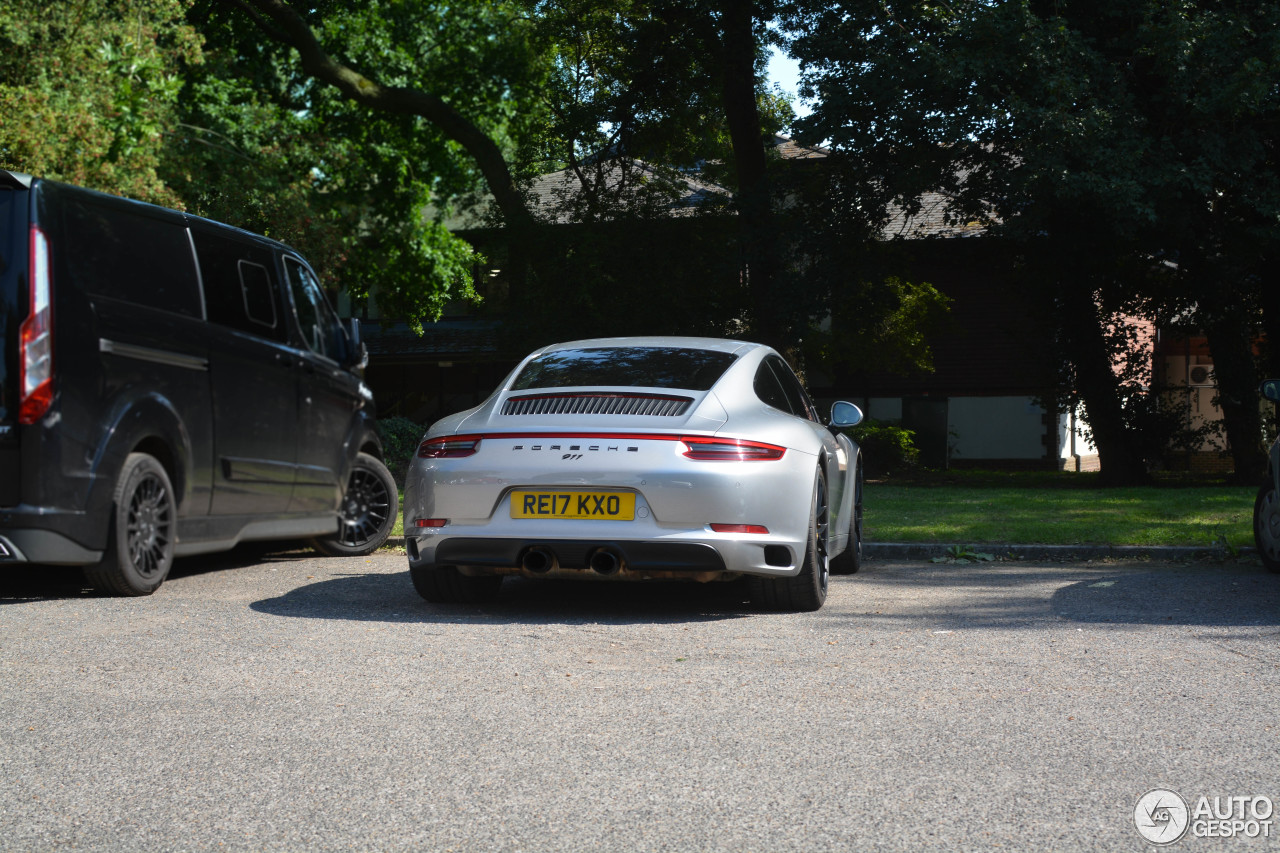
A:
x,y
35,338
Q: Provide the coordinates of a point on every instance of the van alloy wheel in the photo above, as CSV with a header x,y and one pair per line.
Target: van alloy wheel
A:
x,y
140,543
368,510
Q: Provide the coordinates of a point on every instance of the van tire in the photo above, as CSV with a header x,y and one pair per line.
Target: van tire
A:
x,y
140,541
368,511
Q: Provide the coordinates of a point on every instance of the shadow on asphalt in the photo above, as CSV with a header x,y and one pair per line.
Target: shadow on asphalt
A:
x,y
392,598
1006,595
49,583
1200,595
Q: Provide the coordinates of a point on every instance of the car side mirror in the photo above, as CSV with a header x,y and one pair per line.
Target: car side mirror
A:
x,y
1271,390
845,415
359,352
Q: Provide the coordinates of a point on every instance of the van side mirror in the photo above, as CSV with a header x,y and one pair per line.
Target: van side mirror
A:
x,y
359,352
1271,390
845,415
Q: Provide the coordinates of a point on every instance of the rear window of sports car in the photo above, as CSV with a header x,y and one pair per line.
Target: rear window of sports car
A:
x,y
653,367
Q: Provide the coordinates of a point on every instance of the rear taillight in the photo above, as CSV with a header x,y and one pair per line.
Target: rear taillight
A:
x,y
35,338
449,447
731,449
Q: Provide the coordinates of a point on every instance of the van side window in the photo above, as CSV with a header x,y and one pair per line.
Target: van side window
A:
x,y
320,327
240,288
124,253
255,286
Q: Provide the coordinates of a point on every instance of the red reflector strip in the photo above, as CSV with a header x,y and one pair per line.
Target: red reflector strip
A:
x,y
449,446
430,522
739,528
731,449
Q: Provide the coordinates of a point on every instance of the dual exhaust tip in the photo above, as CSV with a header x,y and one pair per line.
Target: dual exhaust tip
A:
x,y
539,560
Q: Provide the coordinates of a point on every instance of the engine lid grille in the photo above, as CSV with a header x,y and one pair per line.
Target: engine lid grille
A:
x,y
592,403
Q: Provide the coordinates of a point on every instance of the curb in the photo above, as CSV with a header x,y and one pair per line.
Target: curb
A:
x,y
1056,553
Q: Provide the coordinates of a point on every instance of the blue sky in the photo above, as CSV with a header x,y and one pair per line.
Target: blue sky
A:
x,y
785,71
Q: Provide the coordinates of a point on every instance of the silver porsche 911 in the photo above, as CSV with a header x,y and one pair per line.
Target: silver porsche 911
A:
x,y
635,458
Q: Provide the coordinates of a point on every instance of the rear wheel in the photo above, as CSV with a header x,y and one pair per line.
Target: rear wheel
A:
x,y
1266,526
447,585
807,590
849,560
141,539
368,510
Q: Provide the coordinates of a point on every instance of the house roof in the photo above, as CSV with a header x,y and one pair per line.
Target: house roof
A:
x,y
931,220
555,198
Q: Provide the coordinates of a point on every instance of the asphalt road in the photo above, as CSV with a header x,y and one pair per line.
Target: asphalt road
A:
x,y
300,703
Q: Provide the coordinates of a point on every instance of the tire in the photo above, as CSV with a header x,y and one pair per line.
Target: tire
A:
x,y
141,539
368,511
1266,526
447,585
806,591
848,561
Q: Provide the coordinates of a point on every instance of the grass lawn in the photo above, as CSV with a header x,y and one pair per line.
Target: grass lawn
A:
x,y
1048,508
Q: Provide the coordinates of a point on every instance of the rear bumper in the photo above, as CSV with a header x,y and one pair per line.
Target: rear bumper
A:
x,y
52,535
623,558
46,547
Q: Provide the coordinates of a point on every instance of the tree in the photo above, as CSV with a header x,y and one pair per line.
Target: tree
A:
x,y
88,90
365,193
1124,149
652,96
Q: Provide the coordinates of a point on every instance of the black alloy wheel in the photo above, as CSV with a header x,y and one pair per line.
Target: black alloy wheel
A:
x,y
368,511
141,541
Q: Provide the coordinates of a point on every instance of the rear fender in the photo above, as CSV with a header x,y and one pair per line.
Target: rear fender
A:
x,y
148,424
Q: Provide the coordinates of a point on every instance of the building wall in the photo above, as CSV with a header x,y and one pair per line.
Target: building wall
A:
x,y
996,428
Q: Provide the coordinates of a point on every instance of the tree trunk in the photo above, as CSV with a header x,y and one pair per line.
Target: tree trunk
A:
x,y
769,320
1098,386
1230,331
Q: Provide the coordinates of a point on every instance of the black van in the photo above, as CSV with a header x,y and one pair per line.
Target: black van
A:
x,y
171,386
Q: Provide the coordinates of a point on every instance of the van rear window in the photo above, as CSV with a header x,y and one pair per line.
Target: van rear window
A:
x,y
121,252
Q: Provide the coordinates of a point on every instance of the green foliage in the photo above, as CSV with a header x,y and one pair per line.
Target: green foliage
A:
x,y
1125,148
400,439
886,446
879,324
266,147
89,89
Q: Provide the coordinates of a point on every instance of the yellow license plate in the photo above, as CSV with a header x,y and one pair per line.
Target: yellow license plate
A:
x,y
602,506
